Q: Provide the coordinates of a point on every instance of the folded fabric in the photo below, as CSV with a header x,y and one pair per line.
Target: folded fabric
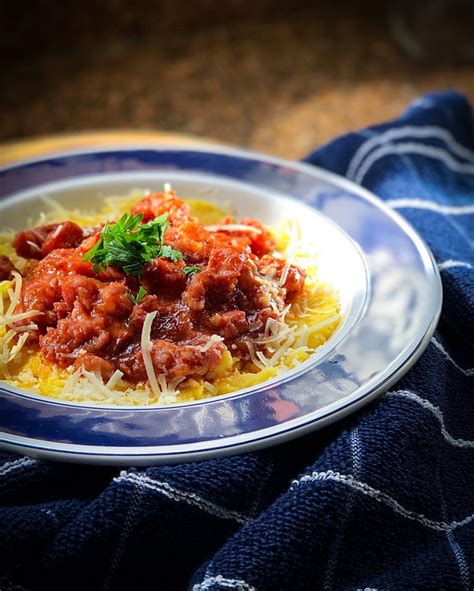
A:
x,y
381,501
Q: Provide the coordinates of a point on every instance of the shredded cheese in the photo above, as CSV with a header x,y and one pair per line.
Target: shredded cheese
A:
x,y
10,317
210,387
159,385
169,390
233,228
146,346
71,381
9,350
114,379
17,347
89,385
213,339
257,362
26,327
96,382
16,317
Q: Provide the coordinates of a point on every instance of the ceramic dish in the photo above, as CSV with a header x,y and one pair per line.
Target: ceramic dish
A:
x,y
389,287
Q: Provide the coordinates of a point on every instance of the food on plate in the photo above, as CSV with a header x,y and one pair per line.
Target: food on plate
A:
x,y
156,299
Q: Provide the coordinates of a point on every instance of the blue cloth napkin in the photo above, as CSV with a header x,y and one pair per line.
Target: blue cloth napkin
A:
x,y
381,501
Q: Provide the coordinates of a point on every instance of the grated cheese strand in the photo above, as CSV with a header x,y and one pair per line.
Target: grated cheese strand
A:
x,y
169,390
8,354
294,231
253,357
233,228
71,381
303,338
16,317
97,383
27,327
14,295
322,324
289,260
263,359
282,332
213,339
146,346
114,379
5,352
9,317
279,353
209,387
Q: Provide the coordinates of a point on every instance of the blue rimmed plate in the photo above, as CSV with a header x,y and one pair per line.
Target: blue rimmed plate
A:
x,y
389,285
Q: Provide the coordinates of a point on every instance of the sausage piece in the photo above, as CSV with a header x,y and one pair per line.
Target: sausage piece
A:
x,y
6,268
38,242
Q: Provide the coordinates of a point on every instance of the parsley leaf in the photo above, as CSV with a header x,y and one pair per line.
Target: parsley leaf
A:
x,y
171,253
129,244
142,292
192,270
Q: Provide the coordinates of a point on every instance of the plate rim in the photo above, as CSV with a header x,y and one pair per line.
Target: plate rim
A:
x,y
323,352
245,442
124,457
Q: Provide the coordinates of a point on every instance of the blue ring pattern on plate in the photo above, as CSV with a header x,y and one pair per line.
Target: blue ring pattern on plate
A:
x,y
368,359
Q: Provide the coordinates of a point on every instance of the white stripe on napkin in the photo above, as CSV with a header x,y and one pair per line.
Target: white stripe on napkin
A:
x,y
431,205
381,497
436,412
412,148
238,584
15,465
407,131
176,494
439,346
450,264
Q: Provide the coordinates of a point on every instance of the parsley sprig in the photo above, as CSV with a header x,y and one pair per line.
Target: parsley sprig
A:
x,y
142,292
129,244
191,270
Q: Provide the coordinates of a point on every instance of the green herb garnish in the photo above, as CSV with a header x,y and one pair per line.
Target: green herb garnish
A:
x,y
192,270
142,292
170,253
129,244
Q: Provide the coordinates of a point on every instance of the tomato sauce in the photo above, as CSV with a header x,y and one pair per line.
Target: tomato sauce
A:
x,y
6,268
91,319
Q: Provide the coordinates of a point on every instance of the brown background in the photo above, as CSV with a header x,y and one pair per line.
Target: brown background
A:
x,y
280,77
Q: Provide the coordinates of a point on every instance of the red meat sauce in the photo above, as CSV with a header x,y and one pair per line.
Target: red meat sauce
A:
x,y
6,268
88,318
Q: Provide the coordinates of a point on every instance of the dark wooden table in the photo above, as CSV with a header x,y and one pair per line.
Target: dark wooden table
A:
x,y
275,76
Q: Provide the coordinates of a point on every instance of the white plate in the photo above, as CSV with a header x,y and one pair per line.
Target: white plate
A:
x,y
389,285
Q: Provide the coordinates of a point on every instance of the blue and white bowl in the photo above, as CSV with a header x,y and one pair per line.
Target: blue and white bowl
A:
x,y
388,283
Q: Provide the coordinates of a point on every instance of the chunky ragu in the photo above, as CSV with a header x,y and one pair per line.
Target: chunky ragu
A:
x,y
89,319
6,268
